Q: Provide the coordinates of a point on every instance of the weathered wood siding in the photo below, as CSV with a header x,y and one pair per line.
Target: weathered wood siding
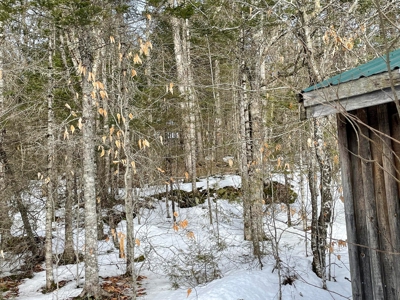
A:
x,y
370,161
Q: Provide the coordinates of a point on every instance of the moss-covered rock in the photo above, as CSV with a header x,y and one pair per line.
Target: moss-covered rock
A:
x,y
229,193
183,198
278,193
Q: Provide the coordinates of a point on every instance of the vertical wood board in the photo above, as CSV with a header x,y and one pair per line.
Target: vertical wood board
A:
x,y
349,207
364,153
363,250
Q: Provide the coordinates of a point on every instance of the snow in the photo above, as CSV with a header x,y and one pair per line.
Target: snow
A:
x,y
215,254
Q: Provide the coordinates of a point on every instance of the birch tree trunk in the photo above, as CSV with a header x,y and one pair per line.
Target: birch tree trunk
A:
x,y
325,192
50,169
319,229
244,142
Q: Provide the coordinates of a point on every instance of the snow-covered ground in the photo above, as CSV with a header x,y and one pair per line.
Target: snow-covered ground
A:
x,y
199,260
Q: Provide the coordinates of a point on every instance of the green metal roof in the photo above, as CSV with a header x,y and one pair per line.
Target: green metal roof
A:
x,y
375,66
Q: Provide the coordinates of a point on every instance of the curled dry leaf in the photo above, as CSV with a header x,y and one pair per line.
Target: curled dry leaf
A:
x,y
66,134
136,59
183,224
230,162
103,95
342,243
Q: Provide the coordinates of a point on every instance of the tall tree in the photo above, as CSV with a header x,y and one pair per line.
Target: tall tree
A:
x,y
51,177
181,37
88,61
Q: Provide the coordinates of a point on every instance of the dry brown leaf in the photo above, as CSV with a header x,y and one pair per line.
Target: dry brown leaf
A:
x,y
183,224
66,134
230,162
136,59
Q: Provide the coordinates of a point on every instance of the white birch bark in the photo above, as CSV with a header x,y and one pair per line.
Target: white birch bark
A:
x,y
50,168
319,227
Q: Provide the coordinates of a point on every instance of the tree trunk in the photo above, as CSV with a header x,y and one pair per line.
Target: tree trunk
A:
x,y
244,166
322,156
69,252
5,222
252,137
316,264
50,169
129,163
92,286
185,85
325,191
217,141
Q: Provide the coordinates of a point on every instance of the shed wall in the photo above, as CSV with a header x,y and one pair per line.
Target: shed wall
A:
x,y
370,162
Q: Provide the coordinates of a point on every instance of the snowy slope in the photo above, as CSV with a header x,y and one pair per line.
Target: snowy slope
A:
x,y
212,261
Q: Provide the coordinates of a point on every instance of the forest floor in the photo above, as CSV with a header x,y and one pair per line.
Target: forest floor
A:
x,y
199,260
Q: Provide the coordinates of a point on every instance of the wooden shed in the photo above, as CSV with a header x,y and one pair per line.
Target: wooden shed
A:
x,y
363,100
